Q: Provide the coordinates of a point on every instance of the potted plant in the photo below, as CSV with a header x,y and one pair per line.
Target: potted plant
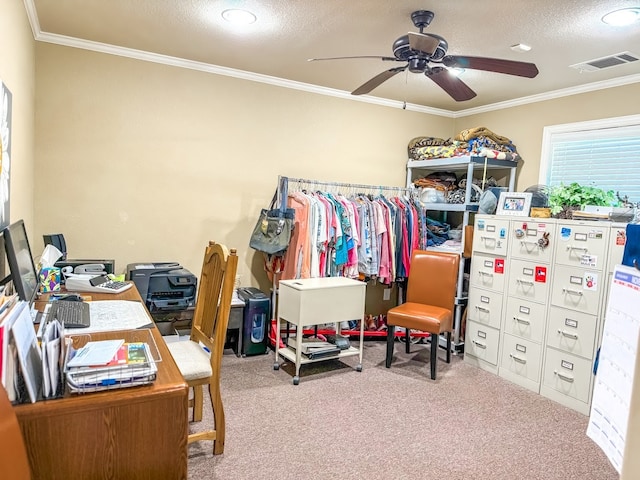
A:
x,y
564,199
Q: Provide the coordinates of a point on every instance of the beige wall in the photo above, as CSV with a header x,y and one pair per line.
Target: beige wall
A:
x,y
524,124
17,72
143,162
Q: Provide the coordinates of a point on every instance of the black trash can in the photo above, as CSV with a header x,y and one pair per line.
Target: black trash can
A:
x,y
256,319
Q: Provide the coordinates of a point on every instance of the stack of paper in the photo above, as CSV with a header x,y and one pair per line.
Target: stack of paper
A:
x,y
108,364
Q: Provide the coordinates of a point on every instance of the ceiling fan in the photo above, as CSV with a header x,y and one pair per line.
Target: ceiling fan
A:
x,y
421,50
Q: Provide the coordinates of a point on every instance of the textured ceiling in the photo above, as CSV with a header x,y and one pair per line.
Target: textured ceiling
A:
x,y
287,33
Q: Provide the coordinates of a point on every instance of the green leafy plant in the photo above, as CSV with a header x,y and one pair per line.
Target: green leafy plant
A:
x,y
575,195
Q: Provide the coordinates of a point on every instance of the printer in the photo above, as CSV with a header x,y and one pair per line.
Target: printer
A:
x,y
164,286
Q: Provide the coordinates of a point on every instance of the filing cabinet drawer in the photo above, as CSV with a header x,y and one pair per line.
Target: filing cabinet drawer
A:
x,y
529,280
521,357
485,307
567,374
488,271
532,240
491,235
582,245
525,319
482,342
577,288
571,331
617,240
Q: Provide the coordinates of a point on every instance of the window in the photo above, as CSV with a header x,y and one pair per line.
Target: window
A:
x,y
603,153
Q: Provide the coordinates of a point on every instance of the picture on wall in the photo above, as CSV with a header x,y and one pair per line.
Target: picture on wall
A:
x,y
5,152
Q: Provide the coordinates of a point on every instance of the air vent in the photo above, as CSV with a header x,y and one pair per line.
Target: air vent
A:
x,y
606,62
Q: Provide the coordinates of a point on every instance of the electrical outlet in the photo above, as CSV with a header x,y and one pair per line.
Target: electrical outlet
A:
x,y
386,294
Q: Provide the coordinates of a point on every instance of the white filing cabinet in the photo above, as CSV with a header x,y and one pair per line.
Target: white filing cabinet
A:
x,y
314,301
539,321
524,323
487,280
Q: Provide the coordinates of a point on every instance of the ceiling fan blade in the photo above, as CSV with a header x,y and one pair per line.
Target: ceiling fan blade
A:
x,y
378,80
423,43
456,88
392,59
510,67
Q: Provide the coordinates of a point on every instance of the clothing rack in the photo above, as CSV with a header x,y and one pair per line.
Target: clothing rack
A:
x,y
312,184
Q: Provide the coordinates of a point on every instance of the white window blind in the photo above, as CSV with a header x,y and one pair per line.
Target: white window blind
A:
x,y
605,156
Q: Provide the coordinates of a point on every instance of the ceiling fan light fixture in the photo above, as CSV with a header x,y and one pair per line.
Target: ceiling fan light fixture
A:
x,y
455,71
238,16
520,47
622,17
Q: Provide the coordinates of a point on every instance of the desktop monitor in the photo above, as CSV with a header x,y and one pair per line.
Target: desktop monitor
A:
x,y
23,270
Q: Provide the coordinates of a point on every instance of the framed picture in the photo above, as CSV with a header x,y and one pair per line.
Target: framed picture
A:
x,y
514,203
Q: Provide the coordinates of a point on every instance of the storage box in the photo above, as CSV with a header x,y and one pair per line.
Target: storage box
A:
x,y
540,212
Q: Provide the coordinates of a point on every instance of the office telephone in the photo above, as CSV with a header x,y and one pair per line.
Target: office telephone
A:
x,y
95,283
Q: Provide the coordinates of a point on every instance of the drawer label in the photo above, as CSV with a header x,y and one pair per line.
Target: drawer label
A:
x,y
527,271
575,280
525,310
499,268
491,228
569,322
566,364
532,232
484,299
580,237
521,348
482,334
488,263
541,274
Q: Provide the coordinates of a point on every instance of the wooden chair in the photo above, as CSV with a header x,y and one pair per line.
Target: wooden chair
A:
x,y
429,307
209,328
13,454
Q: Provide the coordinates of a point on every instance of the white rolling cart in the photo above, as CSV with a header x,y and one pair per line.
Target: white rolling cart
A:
x,y
316,301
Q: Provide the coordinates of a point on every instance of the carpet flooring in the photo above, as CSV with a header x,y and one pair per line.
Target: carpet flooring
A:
x,y
391,424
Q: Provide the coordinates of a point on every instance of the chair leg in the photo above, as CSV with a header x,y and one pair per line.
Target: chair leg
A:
x,y
434,355
407,340
390,338
448,347
218,420
197,403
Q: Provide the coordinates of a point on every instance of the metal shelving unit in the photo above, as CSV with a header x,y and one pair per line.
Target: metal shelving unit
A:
x,y
473,166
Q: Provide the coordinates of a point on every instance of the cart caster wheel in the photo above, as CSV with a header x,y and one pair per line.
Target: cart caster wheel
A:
x,y
276,366
296,380
359,368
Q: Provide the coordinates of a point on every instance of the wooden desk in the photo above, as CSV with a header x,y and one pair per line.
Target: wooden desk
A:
x,y
130,433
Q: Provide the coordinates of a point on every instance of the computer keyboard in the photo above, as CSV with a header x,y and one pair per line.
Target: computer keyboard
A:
x,y
70,314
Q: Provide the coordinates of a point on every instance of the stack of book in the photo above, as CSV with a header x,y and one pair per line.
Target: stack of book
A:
x,y
108,364
314,348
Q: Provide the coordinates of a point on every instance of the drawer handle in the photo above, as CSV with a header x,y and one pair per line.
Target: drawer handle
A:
x,y
479,344
525,243
525,282
522,320
517,358
582,249
572,336
563,377
482,309
486,273
484,239
572,292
